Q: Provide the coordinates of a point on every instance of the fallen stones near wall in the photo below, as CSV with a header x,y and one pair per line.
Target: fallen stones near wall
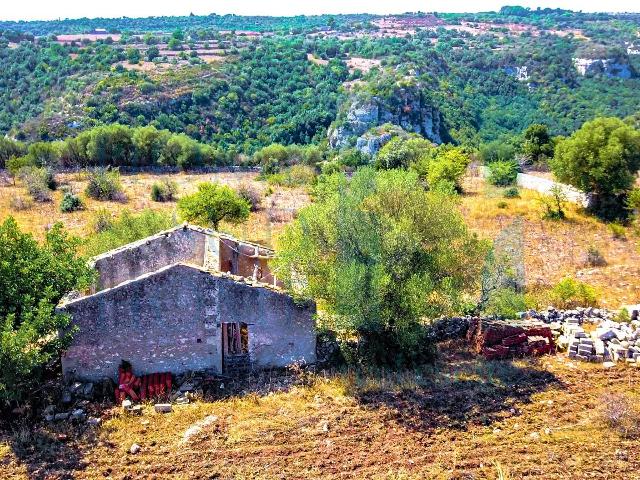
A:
x,y
587,334
591,335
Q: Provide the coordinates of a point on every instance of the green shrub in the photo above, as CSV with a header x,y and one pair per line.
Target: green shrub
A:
x,y
105,184
503,173
505,303
295,176
329,168
445,168
125,229
554,204
502,204
164,191
33,278
570,293
511,192
382,254
102,220
213,203
71,203
15,164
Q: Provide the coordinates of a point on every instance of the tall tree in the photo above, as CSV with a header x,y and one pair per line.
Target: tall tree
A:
x,y
212,204
381,253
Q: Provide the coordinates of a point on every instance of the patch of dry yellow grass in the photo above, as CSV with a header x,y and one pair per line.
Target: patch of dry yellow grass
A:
x,y
557,249
262,226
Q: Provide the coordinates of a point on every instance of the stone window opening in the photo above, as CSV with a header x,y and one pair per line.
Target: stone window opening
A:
x,y
235,338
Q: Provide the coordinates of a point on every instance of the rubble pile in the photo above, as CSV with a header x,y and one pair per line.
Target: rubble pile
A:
x,y
496,339
592,334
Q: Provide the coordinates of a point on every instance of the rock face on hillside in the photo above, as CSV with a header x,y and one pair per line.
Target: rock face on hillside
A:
x,y
519,73
406,109
604,66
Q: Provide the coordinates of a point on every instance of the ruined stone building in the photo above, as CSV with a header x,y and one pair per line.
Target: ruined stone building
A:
x,y
186,299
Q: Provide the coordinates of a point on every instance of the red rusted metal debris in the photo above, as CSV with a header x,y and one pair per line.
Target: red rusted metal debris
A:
x,y
147,387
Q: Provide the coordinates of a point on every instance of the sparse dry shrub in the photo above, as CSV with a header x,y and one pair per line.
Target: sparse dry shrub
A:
x,y
164,191
20,203
39,182
621,413
105,184
251,194
594,258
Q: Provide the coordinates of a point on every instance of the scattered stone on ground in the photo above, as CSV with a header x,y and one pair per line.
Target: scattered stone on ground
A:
x,y
163,407
135,448
591,335
197,427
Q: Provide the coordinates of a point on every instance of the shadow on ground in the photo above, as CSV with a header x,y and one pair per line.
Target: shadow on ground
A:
x,y
47,451
460,392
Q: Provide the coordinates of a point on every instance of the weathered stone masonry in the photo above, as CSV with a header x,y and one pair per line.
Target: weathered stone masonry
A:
x,y
173,318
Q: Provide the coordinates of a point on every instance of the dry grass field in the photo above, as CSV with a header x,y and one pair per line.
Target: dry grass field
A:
x,y
277,209
465,418
557,249
552,249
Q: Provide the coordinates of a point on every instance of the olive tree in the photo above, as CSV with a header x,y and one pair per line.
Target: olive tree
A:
x,y
213,203
601,158
381,254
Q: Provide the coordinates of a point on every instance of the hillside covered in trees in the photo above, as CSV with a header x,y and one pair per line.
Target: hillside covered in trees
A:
x,y
242,83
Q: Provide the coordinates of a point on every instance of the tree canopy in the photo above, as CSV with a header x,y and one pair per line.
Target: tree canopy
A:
x,y
212,204
382,254
601,158
33,279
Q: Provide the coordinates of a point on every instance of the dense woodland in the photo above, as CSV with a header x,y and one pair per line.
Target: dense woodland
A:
x,y
265,90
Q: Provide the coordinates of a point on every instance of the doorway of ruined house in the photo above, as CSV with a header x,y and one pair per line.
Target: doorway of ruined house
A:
x,y
235,348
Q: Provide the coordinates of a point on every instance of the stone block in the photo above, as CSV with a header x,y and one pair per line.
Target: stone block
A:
x,y
163,407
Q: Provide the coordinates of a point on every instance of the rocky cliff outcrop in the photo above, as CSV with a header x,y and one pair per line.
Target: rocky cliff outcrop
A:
x,y
604,66
406,108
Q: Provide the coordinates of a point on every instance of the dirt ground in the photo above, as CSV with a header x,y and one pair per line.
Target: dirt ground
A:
x,y
465,418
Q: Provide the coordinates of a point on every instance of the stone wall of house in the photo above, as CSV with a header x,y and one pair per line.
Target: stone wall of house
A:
x,y
171,320
280,332
131,261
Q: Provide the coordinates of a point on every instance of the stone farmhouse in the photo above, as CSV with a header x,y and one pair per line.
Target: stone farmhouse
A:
x,y
186,299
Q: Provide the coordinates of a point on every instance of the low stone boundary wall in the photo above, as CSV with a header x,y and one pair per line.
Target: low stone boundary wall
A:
x,y
544,186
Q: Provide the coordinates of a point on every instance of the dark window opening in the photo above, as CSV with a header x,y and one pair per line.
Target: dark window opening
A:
x,y
235,338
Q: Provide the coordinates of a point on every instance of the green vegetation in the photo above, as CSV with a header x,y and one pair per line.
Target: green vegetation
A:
x,y
503,173
71,203
601,158
381,253
537,144
570,293
294,176
505,303
212,204
127,228
105,184
33,279
164,191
